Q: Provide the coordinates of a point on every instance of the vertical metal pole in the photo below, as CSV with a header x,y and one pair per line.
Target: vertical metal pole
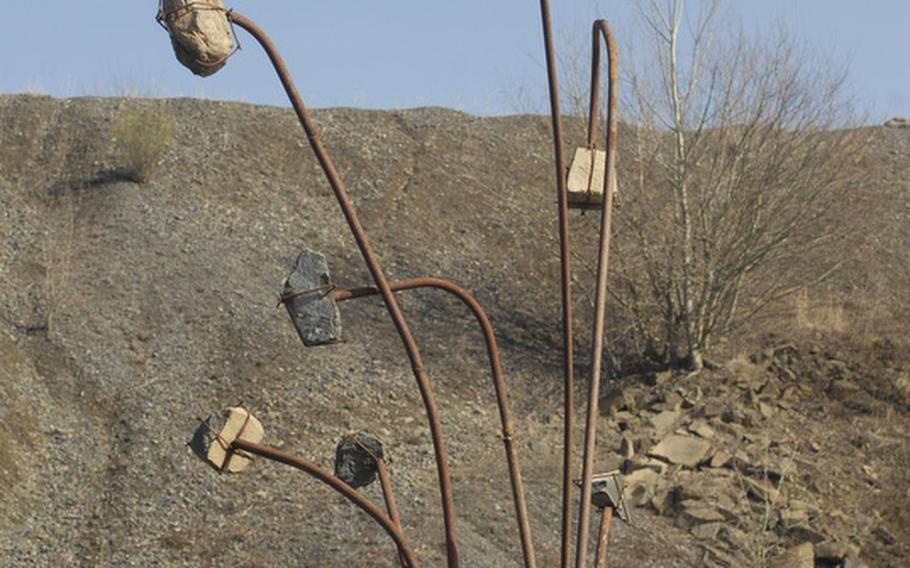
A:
x,y
600,303
606,515
562,198
366,251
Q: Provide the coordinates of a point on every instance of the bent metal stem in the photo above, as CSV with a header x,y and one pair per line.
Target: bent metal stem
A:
x,y
391,527
505,415
389,496
385,482
347,208
600,299
568,356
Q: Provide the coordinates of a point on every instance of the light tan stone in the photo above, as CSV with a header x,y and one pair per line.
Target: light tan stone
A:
x,y
699,512
635,464
583,187
627,447
683,450
701,428
762,491
720,459
707,531
800,556
200,34
218,431
645,477
664,421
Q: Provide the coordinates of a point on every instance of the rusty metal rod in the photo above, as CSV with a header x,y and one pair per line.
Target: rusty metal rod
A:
x,y
505,415
366,251
600,28
568,347
385,484
600,299
338,485
389,496
606,515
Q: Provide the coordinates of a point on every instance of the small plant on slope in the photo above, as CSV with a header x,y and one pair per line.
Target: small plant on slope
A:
x,y
141,138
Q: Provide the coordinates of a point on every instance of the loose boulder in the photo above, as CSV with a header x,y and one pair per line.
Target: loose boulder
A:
x,y
682,450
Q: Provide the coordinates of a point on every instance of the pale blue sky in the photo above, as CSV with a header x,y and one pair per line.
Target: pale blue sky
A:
x,y
466,54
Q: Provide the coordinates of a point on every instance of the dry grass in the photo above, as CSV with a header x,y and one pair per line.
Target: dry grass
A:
x,y
141,138
825,315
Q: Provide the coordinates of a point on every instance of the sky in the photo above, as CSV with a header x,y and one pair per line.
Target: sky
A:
x,y
471,55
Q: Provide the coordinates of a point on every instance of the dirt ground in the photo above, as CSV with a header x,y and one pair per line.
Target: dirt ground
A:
x,y
130,310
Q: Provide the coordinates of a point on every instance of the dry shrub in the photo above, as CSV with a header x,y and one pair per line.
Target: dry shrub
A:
x,y
141,137
734,180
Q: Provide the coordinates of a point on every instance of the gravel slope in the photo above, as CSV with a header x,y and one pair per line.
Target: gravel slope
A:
x,y
161,304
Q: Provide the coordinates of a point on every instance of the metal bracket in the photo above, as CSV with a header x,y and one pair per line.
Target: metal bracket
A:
x,y
607,490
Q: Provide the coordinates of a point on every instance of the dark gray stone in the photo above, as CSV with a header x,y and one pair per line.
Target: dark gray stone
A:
x,y
884,535
310,302
207,434
354,459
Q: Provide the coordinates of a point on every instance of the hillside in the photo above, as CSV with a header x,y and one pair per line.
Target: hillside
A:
x,y
130,310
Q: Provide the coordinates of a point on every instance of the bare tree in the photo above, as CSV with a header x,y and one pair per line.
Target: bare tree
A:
x,y
741,151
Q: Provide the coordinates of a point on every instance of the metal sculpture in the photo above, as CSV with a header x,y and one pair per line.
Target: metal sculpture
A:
x,y
311,300
606,206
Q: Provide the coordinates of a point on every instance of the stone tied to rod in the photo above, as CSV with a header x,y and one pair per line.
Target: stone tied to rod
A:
x,y
586,179
355,459
200,33
213,438
309,300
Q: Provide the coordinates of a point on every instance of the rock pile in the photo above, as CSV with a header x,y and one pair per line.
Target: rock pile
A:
x,y
690,451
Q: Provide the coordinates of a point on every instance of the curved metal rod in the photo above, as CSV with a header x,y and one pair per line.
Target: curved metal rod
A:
x,y
505,415
338,485
568,346
366,251
600,299
385,483
389,496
